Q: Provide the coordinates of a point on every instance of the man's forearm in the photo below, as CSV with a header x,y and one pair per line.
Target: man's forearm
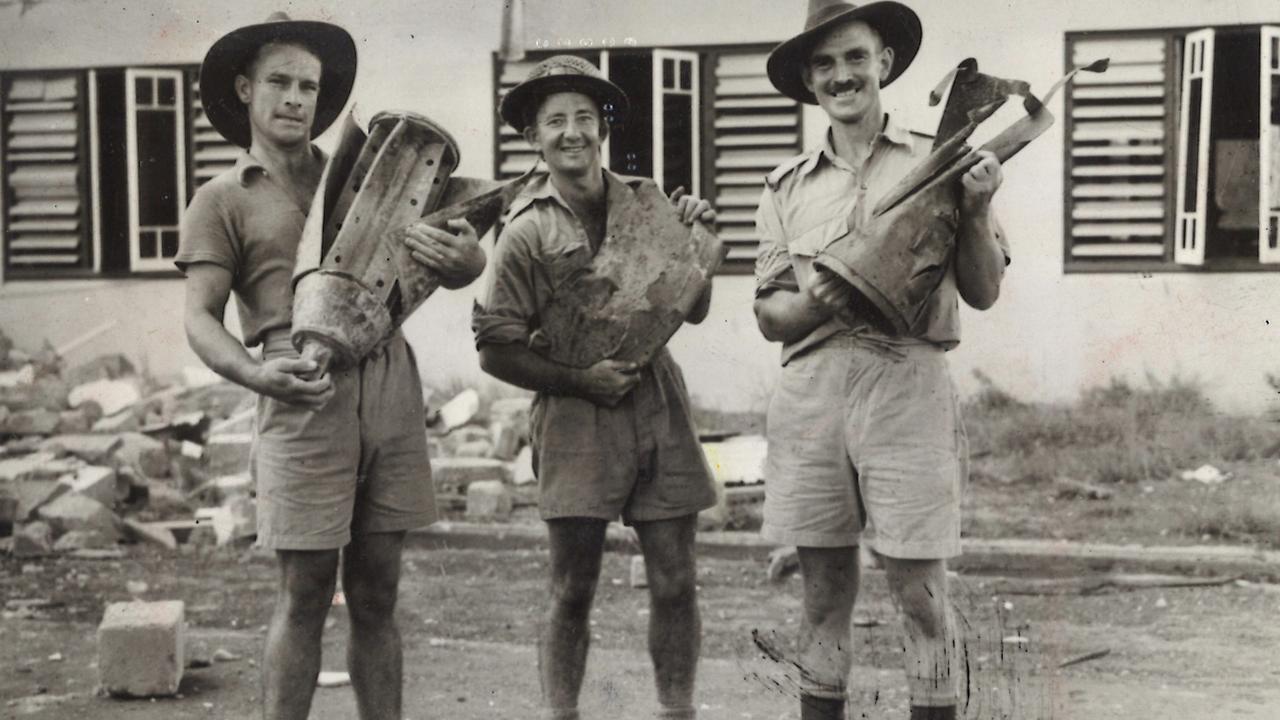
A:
x,y
518,365
787,316
220,351
979,259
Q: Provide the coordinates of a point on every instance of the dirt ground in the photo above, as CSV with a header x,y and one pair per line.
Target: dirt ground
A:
x,y
469,619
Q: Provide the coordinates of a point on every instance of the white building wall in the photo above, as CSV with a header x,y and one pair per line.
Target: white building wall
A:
x,y
1049,336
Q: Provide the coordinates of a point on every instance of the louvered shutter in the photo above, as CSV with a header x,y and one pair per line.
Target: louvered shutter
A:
x,y
211,154
1118,150
755,130
45,169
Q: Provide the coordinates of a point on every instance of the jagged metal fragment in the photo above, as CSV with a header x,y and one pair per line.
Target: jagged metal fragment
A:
x,y
355,280
633,295
896,256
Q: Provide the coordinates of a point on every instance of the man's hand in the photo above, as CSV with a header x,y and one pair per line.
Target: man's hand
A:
x,y
608,381
830,291
690,208
282,379
981,182
455,256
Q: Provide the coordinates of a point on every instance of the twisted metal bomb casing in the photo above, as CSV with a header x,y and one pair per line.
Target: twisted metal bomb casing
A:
x,y
355,281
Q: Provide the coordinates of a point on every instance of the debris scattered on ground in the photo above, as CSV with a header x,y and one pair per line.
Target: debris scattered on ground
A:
x,y
1206,475
332,679
1066,487
1090,584
1084,657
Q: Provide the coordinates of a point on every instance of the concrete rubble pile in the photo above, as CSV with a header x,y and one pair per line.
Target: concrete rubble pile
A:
x,y
94,454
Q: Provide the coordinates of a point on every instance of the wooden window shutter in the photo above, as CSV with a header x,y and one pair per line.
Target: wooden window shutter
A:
x,y
755,130
1118,155
45,174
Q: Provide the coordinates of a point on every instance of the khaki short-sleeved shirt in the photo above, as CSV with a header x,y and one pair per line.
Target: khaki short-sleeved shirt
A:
x,y
244,222
806,205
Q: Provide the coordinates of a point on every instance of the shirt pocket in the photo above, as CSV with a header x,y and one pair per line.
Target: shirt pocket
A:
x,y
816,239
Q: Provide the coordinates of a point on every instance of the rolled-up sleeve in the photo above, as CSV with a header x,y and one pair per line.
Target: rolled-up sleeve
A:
x,y
773,262
510,301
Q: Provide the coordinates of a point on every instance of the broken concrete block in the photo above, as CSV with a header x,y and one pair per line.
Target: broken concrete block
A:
x,y
140,648
512,411
459,411
153,533
124,421
102,367
35,494
40,394
488,499
33,540
522,472
77,512
639,578
474,449
146,455
110,395
79,420
98,483
92,448
228,453
453,475
25,467
506,440
83,540
31,422
468,433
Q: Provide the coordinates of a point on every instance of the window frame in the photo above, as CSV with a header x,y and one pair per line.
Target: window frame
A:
x,y
1165,263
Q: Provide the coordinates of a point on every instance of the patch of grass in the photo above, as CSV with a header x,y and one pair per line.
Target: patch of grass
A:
x,y
1118,432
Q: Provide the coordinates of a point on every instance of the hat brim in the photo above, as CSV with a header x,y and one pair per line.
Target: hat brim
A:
x,y
898,26
611,99
229,55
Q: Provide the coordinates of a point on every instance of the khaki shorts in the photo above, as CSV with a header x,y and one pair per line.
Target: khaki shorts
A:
x,y
865,435
358,465
641,460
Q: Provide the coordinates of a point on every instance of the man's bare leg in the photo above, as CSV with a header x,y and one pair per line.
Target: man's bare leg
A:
x,y
675,627
371,581
291,659
576,547
932,648
831,578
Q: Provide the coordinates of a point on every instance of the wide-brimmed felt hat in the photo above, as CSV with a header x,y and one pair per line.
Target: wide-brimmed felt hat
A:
x,y
231,54
897,24
562,73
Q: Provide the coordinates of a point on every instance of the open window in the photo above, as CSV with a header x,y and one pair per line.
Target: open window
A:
x,y
1173,155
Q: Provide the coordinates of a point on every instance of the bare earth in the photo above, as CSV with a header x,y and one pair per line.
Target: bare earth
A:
x,y
469,618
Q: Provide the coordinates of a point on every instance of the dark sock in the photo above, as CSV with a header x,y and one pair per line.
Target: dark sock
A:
x,y
821,708
941,712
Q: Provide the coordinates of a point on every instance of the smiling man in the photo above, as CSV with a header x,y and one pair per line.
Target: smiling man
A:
x,y
611,439
891,452
340,462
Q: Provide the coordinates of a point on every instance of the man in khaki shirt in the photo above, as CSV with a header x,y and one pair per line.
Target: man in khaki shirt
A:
x,y
864,429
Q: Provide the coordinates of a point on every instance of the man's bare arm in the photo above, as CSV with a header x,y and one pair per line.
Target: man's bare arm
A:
x,y
208,287
604,383
980,261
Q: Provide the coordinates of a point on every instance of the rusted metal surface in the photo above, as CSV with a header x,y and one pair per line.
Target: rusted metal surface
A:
x,y
896,258
627,302
355,280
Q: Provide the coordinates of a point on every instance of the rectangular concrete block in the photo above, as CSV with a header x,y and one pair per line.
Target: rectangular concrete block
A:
x,y
96,482
92,448
506,440
453,475
639,578
488,499
145,454
35,494
140,648
77,512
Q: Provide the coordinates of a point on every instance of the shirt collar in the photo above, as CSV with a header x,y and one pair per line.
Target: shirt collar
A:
x,y
541,188
892,133
247,164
